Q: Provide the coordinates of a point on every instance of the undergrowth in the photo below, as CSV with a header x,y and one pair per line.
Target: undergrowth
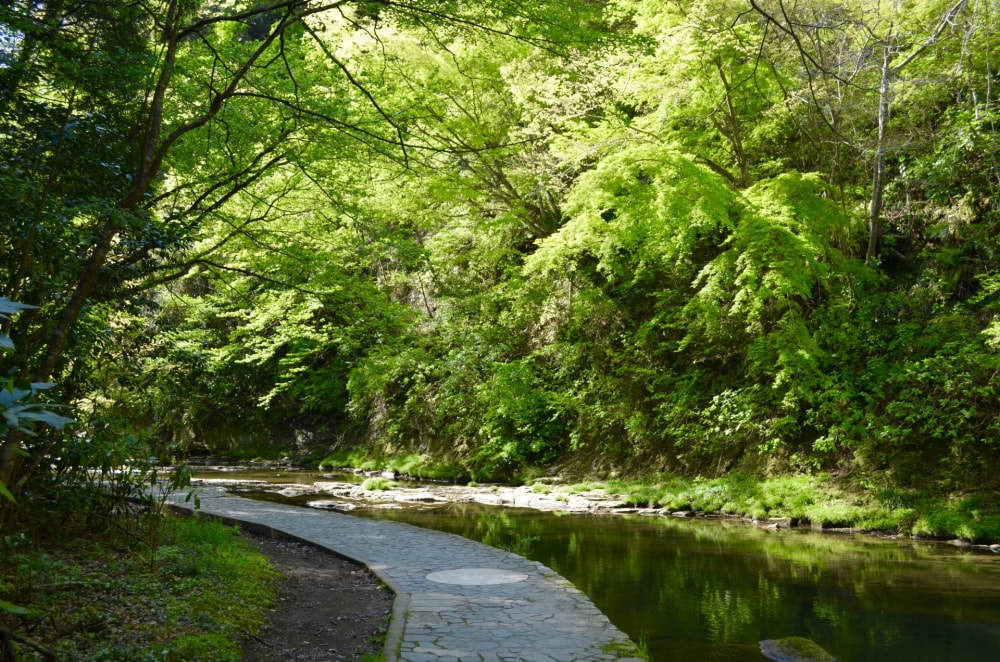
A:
x,y
89,600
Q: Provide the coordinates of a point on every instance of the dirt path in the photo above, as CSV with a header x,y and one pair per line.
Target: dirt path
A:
x,y
327,609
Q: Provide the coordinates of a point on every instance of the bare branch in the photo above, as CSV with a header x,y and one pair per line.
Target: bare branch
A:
x,y
946,20
364,90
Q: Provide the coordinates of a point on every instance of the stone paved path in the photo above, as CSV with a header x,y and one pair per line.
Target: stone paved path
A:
x,y
478,604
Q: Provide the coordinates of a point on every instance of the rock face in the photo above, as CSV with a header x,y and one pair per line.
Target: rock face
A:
x,y
794,649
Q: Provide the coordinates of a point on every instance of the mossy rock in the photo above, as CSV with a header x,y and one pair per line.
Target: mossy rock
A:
x,y
794,649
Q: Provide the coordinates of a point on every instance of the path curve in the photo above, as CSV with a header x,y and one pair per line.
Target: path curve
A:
x,y
480,604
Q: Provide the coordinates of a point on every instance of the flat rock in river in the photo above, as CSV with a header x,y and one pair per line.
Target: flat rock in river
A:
x,y
325,504
419,497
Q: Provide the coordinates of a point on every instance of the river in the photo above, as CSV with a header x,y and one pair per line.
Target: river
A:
x,y
710,590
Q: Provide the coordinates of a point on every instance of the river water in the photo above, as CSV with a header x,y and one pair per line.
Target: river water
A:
x,y
710,590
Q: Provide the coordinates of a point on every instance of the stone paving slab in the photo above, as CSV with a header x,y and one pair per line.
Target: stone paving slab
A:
x,y
540,618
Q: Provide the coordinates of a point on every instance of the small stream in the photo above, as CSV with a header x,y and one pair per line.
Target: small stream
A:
x,y
710,590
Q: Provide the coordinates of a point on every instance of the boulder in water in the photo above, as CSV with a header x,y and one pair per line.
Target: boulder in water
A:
x,y
794,649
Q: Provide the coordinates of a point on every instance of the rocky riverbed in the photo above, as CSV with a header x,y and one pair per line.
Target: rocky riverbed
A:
x,y
382,492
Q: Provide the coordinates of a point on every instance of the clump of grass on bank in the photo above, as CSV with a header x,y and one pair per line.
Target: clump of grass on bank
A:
x,y
973,517
96,600
378,483
577,488
823,502
407,464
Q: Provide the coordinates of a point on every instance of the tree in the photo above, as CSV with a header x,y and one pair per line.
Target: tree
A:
x,y
837,45
202,101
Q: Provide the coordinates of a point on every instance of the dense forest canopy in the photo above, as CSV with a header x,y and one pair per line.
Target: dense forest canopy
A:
x,y
686,236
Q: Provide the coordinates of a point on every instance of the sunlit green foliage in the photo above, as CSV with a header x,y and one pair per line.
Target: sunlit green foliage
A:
x,y
626,236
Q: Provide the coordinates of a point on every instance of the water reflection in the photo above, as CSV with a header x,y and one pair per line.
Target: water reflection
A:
x,y
702,590
711,590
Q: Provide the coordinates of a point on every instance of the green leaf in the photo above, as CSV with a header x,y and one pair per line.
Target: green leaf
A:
x,y
11,608
4,492
8,396
47,417
8,307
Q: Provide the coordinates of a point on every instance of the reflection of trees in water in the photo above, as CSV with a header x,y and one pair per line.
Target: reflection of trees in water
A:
x,y
710,590
727,615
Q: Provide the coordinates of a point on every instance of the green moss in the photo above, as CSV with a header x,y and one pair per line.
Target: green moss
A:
x,y
640,495
794,649
351,458
625,649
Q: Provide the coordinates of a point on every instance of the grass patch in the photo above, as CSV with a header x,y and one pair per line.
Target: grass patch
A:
x,y
821,501
975,518
378,484
639,495
577,488
91,601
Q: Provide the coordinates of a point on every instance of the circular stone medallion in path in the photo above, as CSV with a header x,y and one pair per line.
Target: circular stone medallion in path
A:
x,y
477,576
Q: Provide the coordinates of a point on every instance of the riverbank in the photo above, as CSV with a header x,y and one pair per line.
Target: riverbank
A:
x,y
814,501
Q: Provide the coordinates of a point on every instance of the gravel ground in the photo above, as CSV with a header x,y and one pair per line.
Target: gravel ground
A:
x,y
327,609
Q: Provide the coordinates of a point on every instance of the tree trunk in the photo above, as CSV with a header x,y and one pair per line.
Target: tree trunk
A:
x,y
878,175
732,129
